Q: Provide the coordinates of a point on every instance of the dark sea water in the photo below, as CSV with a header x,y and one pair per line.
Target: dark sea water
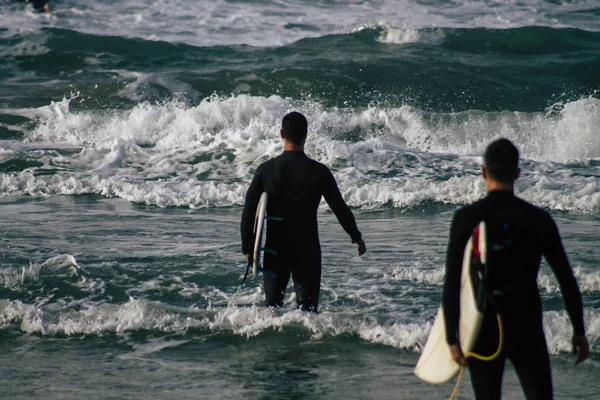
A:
x,y
129,132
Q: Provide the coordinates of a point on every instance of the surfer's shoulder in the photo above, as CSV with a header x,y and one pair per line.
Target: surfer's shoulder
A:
x,y
533,210
266,164
469,210
316,164
467,217
260,169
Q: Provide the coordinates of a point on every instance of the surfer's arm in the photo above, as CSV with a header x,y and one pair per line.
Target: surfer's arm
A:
x,y
252,197
336,202
459,235
554,253
581,347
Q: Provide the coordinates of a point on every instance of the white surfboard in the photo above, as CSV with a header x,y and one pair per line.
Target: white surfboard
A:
x,y
259,225
435,364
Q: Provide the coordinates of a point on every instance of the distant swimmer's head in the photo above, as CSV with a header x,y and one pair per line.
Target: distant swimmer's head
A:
x,y
294,128
501,161
40,5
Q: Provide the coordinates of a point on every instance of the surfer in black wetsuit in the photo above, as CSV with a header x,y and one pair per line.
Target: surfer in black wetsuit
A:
x,y
518,234
294,184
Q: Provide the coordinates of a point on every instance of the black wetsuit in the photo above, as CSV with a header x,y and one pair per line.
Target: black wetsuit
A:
x,y
518,233
294,184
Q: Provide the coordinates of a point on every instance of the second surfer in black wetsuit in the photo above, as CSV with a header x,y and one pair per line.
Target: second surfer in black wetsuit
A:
x,y
518,235
295,184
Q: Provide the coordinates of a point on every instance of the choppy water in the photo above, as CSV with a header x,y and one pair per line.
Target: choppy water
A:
x,y
129,133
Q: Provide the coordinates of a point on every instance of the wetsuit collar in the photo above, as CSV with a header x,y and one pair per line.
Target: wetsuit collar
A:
x,y
293,151
501,193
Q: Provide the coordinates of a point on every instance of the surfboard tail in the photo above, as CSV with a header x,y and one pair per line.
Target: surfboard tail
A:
x,y
435,365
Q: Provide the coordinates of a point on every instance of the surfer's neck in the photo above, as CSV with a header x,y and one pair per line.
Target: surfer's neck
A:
x,y
287,146
493,186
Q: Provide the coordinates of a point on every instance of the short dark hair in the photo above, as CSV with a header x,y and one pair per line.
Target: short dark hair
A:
x,y
294,127
501,159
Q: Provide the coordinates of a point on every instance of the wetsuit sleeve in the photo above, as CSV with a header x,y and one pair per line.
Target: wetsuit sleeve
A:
x,y
334,198
554,253
252,197
459,236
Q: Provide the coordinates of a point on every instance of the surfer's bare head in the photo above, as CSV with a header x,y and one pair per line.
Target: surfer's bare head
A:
x,y
40,5
294,128
501,161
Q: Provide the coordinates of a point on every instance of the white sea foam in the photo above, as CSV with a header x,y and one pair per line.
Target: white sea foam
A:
x,y
411,274
138,314
62,268
407,35
558,330
589,282
568,136
172,154
63,265
105,318
11,278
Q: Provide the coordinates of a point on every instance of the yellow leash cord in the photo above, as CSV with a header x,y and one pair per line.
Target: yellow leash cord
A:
x,y
480,357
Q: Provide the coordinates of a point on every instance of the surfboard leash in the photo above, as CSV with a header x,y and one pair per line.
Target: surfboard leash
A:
x,y
243,280
479,357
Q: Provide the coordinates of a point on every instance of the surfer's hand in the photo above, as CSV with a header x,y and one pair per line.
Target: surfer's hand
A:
x,y
362,248
581,346
247,257
457,354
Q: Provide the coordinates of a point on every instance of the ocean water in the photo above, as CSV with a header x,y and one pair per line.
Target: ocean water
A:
x,y
130,130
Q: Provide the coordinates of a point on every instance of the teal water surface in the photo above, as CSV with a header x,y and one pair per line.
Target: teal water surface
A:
x,y
129,134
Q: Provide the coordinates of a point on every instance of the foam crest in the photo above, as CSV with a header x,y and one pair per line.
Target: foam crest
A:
x,y
408,35
172,154
589,282
253,321
549,192
405,193
229,122
558,330
215,122
172,193
574,136
402,336
413,274
105,318
558,136
61,266
144,315
11,278
63,262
